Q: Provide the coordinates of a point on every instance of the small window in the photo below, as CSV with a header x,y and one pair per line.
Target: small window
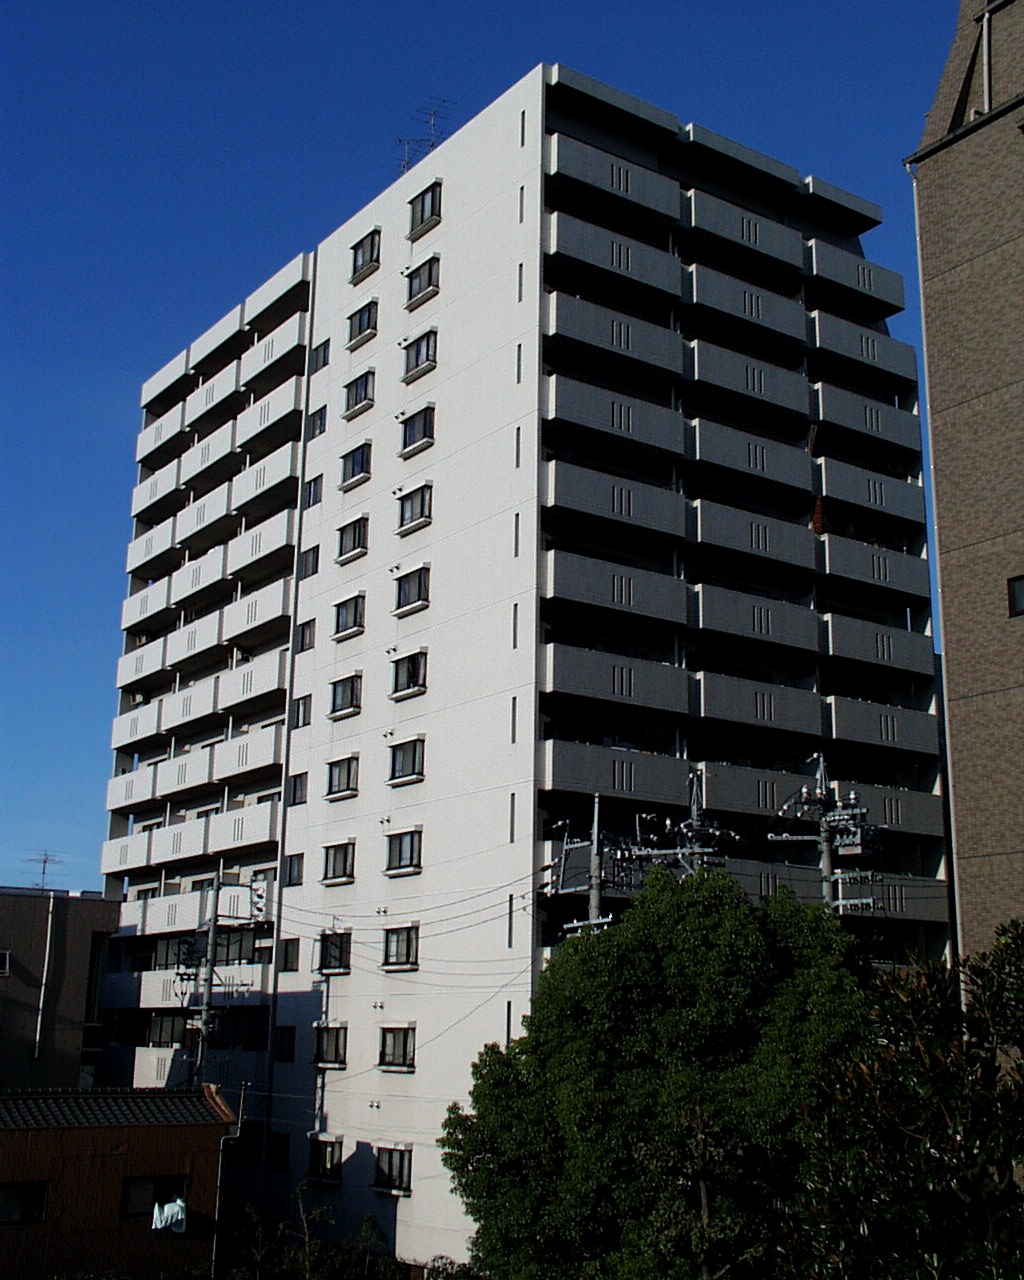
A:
x,y
394,1170
289,955
23,1202
331,1046
353,539
362,325
405,849
235,946
412,590
407,762
402,947
349,617
301,711
1015,589
355,466
309,563
284,1044
359,394
5,964
293,865
335,952
343,777
423,282
320,356
397,1047
418,431
365,256
175,953
166,1030
316,423
298,788
425,211
420,355
325,1159
312,492
410,675
340,861
139,1195
346,696
305,636
414,509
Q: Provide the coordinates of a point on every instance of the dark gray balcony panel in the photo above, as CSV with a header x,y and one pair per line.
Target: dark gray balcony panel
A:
x,y
913,812
760,880
697,134
756,702
868,642
886,894
598,494
756,617
858,413
749,454
749,376
866,346
707,288
730,788
614,678
757,535
614,332
610,412
613,771
881,493
853,272
878,724
880,566
613,586
866,213
613,175
741,227
630,259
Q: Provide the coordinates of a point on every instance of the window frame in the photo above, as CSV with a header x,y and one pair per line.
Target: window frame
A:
x,y
365,256
352,532
305,636
420,355
355,466
345,770
358,625
397,1049
415,509
409,676
401,947
320,356
326,1159
424,210
404,852
422,290
316,423
298,789
301,711
25,1201
362,324
309,563
291,957
293,870
330,1048
346,852
393,1171
312,492
346,696
420,580
359,394
1015,595
420,438
335,951
415,750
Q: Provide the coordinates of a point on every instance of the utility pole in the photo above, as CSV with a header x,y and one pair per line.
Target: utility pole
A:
x,y
208,966
594,899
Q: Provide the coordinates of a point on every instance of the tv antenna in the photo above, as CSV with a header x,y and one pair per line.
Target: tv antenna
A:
x,y
45,858
433,116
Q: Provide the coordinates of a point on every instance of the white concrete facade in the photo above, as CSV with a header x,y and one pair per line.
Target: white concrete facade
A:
x,y
578,460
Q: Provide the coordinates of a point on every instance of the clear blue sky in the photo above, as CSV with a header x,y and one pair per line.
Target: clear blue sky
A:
x,y
159,160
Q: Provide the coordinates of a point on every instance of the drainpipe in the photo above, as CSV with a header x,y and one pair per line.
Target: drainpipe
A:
x,y
42,981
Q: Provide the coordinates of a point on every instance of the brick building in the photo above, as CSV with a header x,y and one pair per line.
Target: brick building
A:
x,y
969,181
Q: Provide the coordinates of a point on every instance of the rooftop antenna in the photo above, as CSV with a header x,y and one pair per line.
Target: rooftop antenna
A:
x,y
414,149
45,858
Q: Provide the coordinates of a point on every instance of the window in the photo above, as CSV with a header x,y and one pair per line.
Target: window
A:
x,y
325,1158
335,952
425,210
394,1170
359,394
305,636
347,695
414,509
407,762
340,861
420,355
23,1201
405,849
5,964
412,590
289,955
418,431
362,325
1015,589
365,256
139,1195
309,562
284,1044
353,539
331,1045
174,953
301,711
166,1030
355,466
316,423
402,947
293,868
235,946
298,788
397,1047
349,617
410,675
312,491
343,777
320,356
423,282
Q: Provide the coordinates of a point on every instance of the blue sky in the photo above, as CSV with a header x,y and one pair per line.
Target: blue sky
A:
x,y
159,160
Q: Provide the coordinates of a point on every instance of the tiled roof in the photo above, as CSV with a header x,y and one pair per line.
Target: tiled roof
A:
x,y
95,1108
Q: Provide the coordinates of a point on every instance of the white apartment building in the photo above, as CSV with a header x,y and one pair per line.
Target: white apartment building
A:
x,y
579,462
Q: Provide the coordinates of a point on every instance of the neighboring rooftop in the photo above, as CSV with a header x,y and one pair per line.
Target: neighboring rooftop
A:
x,y
110,1108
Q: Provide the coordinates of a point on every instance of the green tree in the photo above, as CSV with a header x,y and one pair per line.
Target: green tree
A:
x,y
649,1124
